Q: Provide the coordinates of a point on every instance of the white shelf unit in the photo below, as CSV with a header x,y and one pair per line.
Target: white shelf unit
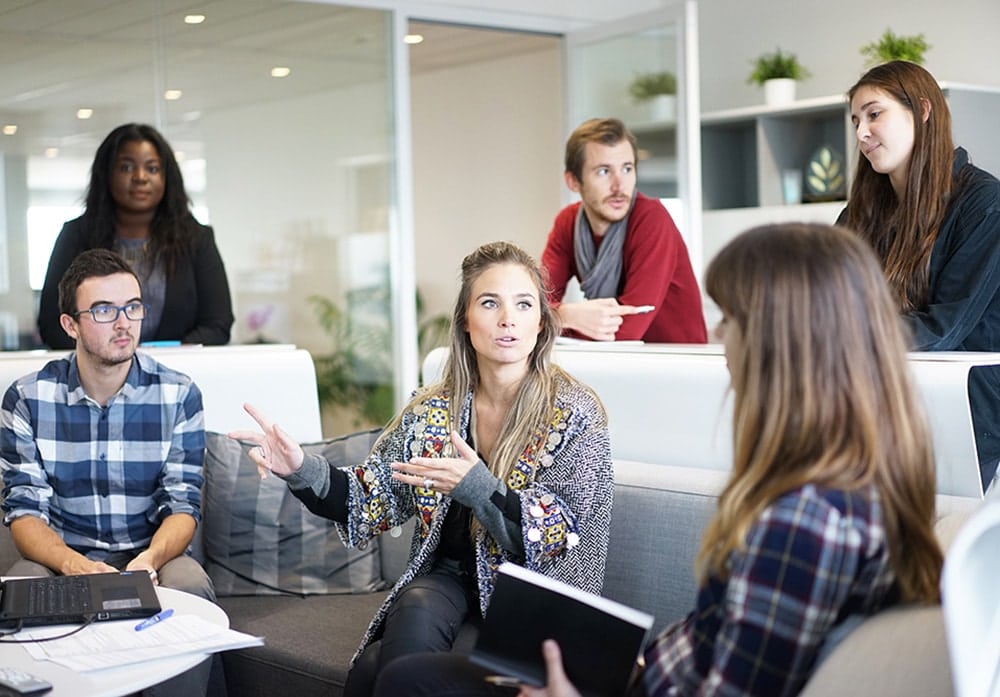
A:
x,y
743,152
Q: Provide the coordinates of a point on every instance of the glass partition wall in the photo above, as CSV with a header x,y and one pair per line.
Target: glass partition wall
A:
x,y
282,115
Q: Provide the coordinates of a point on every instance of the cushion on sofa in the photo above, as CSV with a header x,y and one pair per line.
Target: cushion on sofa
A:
x,y
260,540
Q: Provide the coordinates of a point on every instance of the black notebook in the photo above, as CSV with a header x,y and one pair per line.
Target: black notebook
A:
x,y
31,602
600,639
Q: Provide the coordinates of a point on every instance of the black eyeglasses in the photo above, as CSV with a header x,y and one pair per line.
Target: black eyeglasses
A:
x,y
104,314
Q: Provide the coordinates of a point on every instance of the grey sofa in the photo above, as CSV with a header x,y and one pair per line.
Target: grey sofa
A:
x,y
660,510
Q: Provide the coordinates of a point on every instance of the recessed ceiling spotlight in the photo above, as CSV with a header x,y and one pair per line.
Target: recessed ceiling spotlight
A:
x,y
84,114
194,19
9,129
51,152
413,39
173,95
280,71
179,155
191,116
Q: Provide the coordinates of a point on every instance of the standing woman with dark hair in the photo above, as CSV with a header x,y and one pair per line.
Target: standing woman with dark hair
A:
x,y
136,205
934,221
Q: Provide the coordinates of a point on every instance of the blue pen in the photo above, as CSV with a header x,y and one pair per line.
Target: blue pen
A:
x,y
150,621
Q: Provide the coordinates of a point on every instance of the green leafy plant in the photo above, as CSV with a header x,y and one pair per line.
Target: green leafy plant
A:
x,y
357,371
349,375
891,47
648,85
771,66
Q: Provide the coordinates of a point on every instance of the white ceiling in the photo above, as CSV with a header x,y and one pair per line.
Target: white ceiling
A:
x,y
118,56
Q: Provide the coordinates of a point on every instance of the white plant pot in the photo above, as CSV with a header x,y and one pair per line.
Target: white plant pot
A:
x,y
663,107
779,91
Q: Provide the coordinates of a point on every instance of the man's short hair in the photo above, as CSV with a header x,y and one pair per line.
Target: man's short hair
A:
x,y
603,131
93,263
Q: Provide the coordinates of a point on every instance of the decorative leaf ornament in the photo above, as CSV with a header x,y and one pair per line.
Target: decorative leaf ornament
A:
x,y
825,175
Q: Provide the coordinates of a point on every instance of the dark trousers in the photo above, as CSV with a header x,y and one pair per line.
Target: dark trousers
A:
x,y
447,675
426,616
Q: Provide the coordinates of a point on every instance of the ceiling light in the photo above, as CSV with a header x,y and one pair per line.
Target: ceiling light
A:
x,y
280,71
84,114
194,19
9,129
179,155
172,95
51,152
413,39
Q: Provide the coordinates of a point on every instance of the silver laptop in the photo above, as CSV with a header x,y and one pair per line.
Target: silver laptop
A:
x,y
31,602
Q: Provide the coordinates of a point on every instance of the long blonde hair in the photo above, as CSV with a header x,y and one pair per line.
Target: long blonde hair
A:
x,y
532,407
822,392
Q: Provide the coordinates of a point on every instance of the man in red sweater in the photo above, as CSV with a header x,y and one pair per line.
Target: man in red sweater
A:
x,y
631,261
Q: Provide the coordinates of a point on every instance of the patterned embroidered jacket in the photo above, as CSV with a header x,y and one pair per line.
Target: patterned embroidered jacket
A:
x,y
564,479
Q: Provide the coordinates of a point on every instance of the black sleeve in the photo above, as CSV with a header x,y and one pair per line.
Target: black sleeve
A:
x,y
333,506
509,505
215,307
67,246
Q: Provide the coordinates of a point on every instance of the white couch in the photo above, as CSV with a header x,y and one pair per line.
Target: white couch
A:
x,y
278,378
671,405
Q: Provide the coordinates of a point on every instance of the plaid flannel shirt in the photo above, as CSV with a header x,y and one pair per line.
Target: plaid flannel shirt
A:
x,y
814,557
102,477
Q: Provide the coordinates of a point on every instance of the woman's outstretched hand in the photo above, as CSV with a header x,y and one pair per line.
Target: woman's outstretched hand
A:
x,y
441,474
556,682
273,450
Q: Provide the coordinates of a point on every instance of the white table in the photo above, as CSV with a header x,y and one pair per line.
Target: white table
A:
x,y
114,682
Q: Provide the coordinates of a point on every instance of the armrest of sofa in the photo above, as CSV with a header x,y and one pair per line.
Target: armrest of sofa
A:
x,y
897,652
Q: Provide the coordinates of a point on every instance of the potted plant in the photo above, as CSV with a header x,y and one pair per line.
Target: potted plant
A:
x,y
891,47
660,90
778,72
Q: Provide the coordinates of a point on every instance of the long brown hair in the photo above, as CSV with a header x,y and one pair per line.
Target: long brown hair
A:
x,y
903,231
822,392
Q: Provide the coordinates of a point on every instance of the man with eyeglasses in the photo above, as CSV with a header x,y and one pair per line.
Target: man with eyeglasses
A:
x,y
102,450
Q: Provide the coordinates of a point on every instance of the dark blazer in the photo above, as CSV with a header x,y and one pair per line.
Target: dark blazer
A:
x,y
197,308
963,308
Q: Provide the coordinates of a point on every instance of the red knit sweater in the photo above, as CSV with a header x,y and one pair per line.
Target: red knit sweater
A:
x,y
656,271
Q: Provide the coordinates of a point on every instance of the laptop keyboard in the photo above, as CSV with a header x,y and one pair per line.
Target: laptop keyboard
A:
x,y
59,595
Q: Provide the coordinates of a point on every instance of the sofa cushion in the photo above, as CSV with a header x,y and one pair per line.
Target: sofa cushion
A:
x,y
260,540
657,521
310,642
899,652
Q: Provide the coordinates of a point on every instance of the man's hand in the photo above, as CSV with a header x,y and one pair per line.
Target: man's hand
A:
x,y
598,319
556,682
144,562
87,566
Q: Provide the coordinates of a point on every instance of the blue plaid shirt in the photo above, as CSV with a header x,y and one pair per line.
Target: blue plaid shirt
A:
x,y
102,477
813,557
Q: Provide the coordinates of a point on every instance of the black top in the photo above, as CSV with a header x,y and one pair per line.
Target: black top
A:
x,y
197,308
963,310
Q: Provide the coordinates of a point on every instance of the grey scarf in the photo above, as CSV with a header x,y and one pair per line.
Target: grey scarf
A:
x,y
599,271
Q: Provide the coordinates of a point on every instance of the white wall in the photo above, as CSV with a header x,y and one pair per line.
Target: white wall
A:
x,y
828,36
487,163
285,205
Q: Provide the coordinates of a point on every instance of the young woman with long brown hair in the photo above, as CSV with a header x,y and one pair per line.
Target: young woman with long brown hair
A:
x,y
933,219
